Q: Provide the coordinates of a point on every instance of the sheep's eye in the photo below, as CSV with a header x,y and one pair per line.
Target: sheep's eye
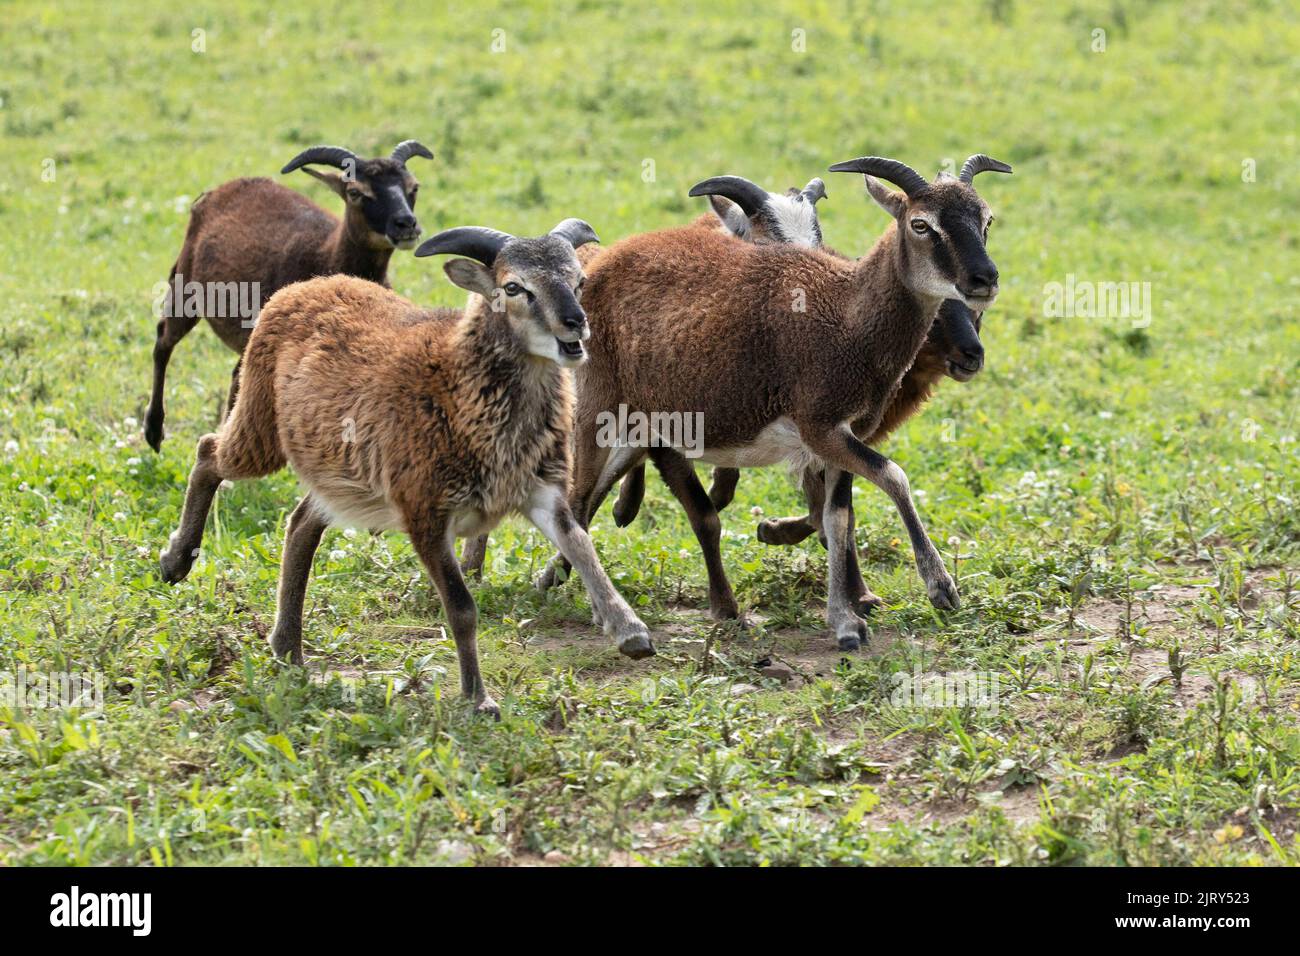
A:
x,y
513,288
920,227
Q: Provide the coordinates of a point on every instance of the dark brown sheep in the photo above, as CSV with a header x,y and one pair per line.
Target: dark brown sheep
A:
x,y
249,238
783,351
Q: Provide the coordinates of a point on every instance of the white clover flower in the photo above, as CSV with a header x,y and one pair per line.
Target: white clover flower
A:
x,y
338,554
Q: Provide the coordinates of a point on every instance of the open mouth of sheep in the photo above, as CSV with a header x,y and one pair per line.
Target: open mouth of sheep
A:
x,y
571,350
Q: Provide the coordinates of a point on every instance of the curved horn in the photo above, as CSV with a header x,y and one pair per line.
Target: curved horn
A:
x,y
748,196
891,170
577,232
408,148
477,242
815,190
334,156
979,163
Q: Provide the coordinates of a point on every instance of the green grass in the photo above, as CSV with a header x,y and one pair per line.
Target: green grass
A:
x,y
1119,502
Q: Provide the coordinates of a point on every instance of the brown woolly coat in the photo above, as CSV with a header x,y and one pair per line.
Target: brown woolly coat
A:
x,y
914,389
385,409
656,298
255,230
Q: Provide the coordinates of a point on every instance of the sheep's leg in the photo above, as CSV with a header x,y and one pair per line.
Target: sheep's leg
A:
x,y
473,554
548,509
595,472
723,489
183,545
860,596
679,475
301,538
589,467
794,530
630,495
171,329
837,518
246,447
431,536
234,388
840,448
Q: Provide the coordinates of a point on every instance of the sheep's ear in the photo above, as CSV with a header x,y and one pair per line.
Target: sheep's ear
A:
x,y
892,201
333,180
471,276
733,217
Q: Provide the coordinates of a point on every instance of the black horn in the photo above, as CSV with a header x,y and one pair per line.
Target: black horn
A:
x,y
815,190
408,148
891,170
577,232
335,156
748,196
477,242
979,163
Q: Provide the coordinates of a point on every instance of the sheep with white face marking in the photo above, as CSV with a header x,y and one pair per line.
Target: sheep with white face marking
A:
x,y
435,422
751,213
257,234
682,322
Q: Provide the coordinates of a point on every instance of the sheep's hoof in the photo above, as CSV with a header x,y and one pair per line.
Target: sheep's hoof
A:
x,y
175,563
850,642
723,609
287,646
551,575
866,603
623,515
637,646
850,634
783,530
488,708
153,434
943,594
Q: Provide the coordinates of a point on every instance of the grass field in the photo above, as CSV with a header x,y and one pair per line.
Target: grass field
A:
x,y
1116,497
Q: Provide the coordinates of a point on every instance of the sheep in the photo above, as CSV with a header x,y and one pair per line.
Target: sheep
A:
x,y
782,352
434,422
752,214
749,212
952,349
258,236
